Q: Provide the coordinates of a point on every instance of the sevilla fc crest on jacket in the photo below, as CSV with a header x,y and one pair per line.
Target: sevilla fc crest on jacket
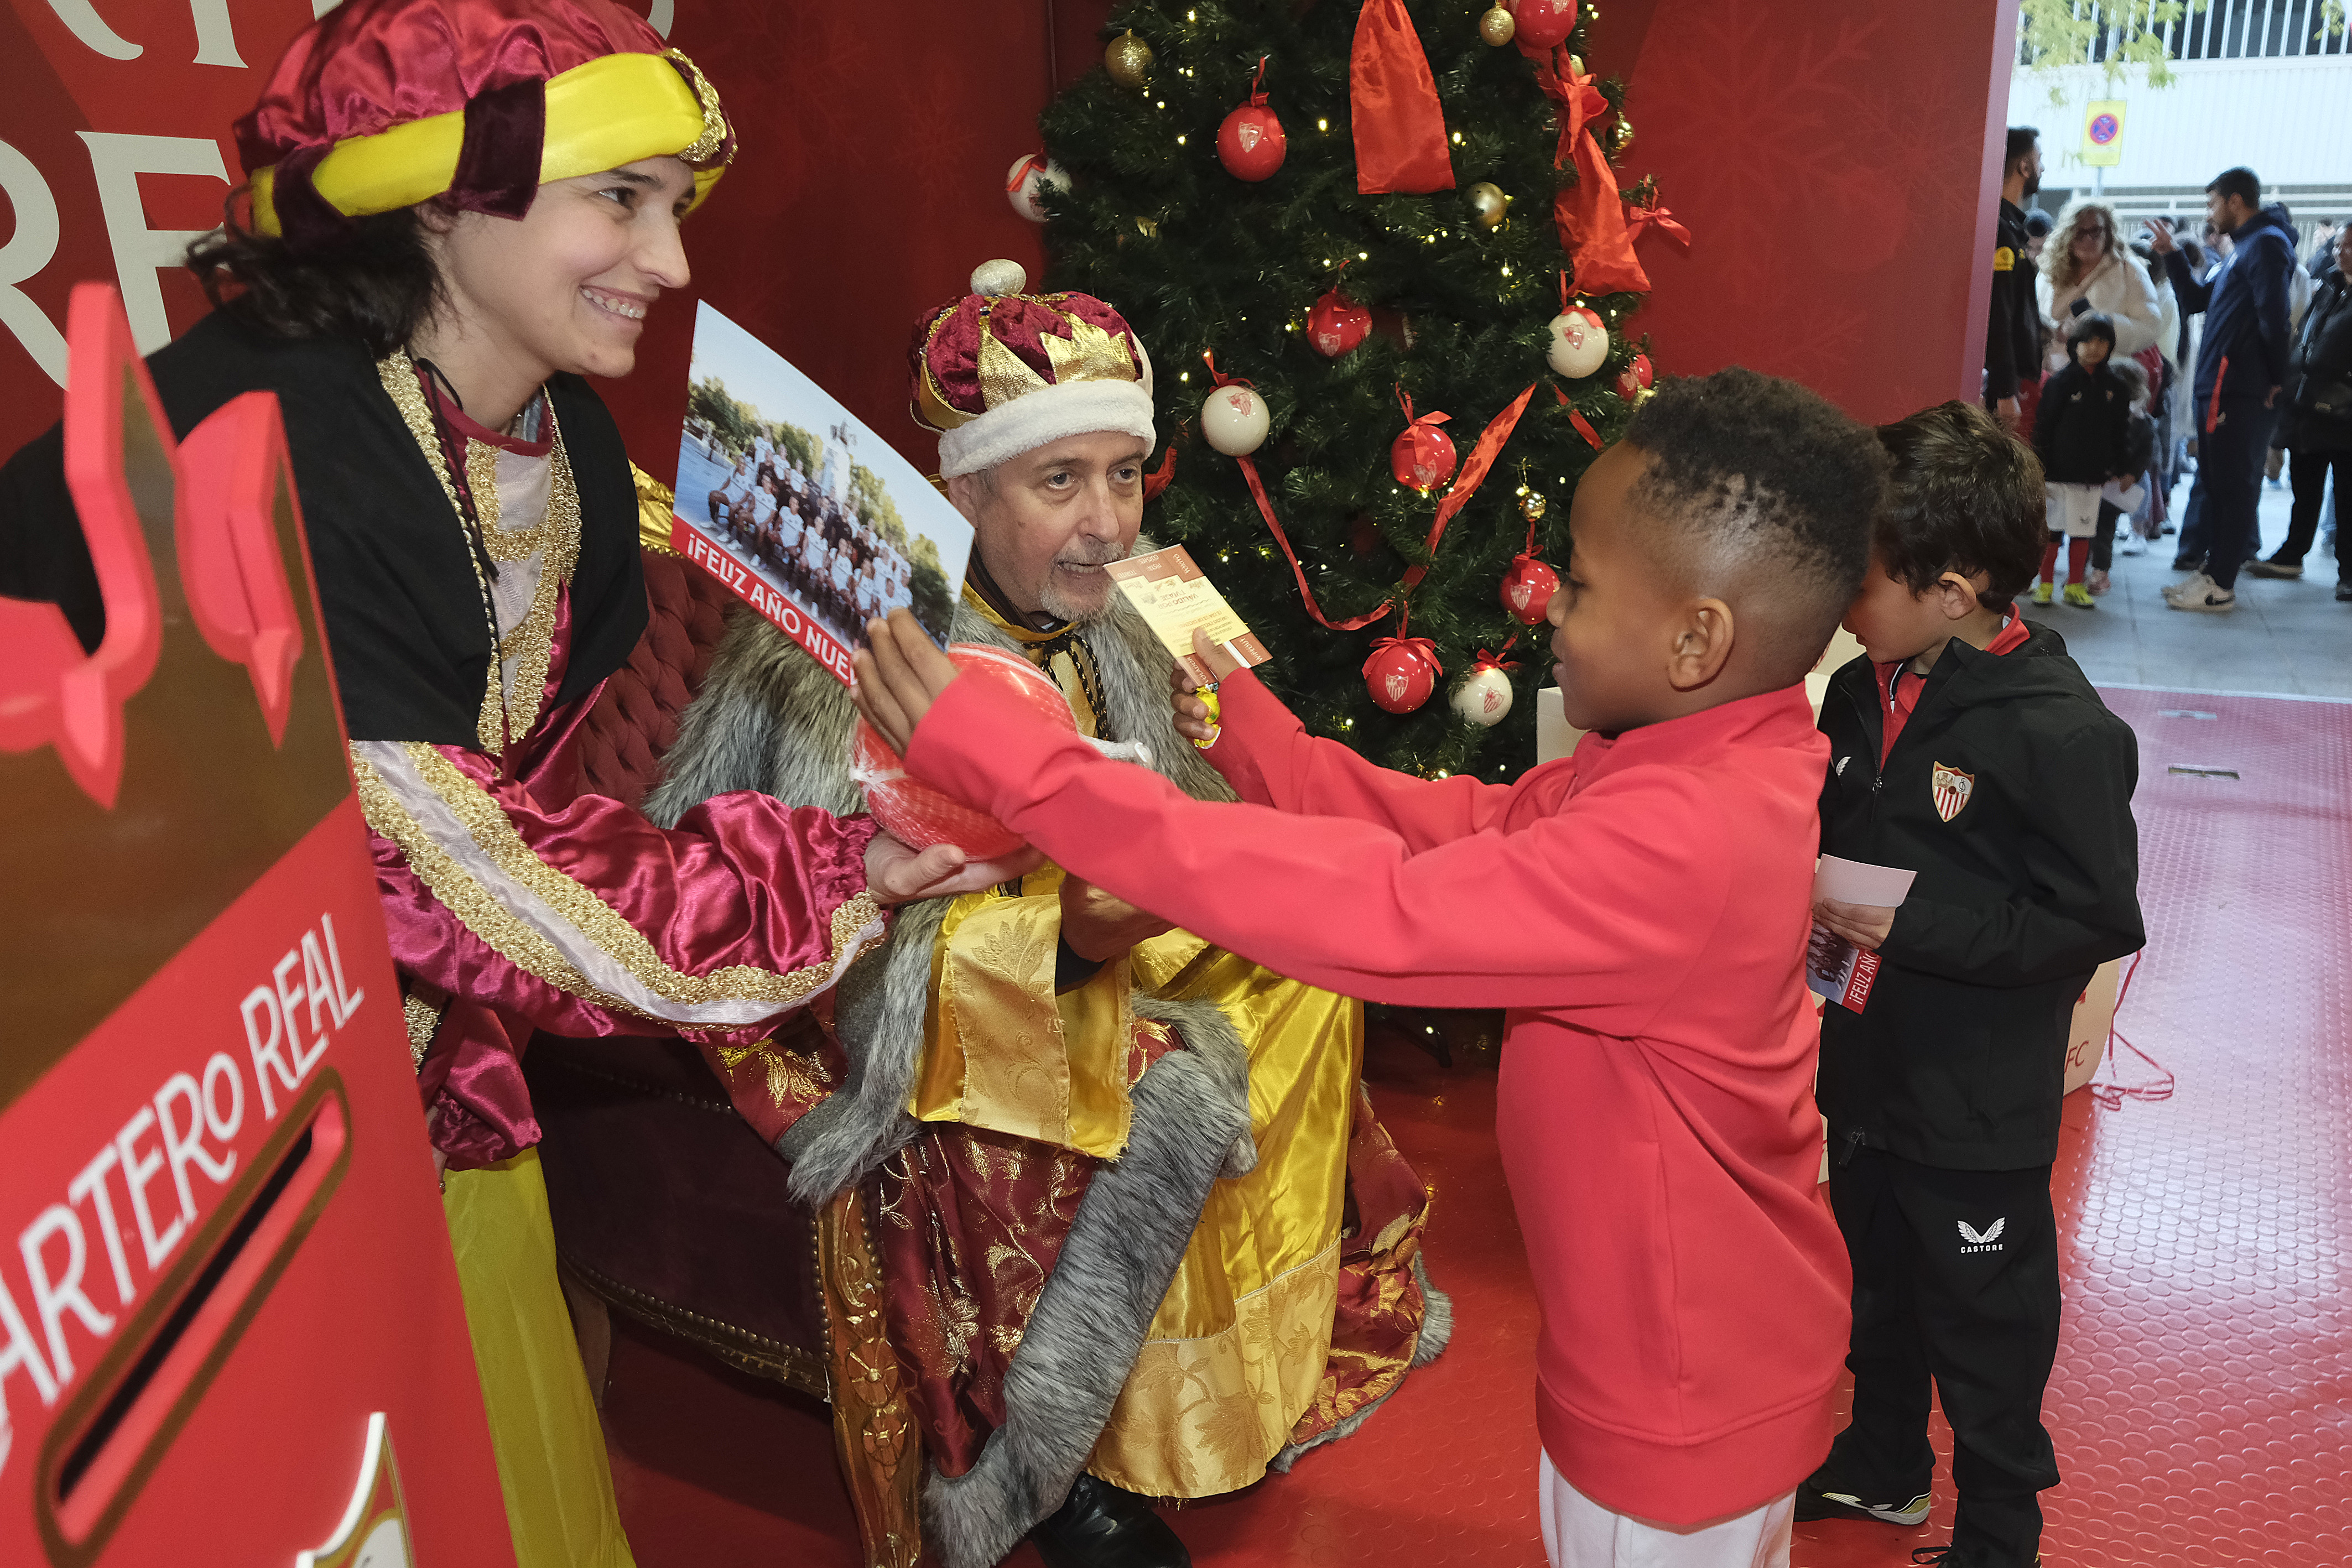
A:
x,y
1952,788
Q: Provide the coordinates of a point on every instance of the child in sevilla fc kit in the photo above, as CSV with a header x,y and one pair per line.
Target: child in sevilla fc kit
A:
x,y
1965,746
1640,908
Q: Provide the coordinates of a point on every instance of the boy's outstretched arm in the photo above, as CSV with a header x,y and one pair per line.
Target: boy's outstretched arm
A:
x,y
1600,910
1268,758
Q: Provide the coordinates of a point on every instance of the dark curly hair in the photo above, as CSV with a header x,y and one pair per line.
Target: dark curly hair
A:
x,y
1764,492
375,281
1967,497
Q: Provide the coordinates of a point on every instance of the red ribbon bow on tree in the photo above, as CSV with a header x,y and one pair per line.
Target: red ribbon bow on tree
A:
x,y
1641,215
1583,427
1265,511
1590,212
1473,473
1487,660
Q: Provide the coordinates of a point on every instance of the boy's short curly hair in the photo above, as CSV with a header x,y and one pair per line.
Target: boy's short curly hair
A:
x,y
1967,497
1764,493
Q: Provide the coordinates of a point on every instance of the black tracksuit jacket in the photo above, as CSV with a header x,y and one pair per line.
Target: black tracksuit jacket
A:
x,y
1959,1060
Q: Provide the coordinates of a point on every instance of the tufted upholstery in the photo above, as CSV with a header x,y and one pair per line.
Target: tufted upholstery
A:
x,y
663,1200
634,720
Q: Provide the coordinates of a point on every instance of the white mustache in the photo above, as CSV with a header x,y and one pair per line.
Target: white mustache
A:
x,y
1101,553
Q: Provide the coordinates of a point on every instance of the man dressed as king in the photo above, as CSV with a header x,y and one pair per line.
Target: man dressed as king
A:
x,y
1138,1231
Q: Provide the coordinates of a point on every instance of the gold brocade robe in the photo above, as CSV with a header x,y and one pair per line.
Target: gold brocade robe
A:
x,y
1241,1348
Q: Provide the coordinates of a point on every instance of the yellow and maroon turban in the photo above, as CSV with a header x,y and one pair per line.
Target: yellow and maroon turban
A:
x,y
382,104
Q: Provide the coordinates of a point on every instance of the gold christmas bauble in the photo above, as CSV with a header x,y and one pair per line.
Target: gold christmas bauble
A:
x,y
1496,27
1621,138
1487,203
1129,61
1532,507
1576,64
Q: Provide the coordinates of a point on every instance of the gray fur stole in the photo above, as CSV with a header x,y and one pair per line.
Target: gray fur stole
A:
x,y
769,719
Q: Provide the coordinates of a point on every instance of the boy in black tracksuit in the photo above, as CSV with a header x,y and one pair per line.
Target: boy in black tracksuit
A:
x,y
2006,786
2082,433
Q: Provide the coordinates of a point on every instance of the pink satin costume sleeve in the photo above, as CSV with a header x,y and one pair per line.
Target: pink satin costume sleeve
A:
x,y
572,913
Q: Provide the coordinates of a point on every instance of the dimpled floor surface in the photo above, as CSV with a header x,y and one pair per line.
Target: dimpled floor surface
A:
x,y
2200,1399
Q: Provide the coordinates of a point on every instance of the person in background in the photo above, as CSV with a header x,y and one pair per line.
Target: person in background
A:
x,y
2038,224
2013,330
2170,390
2081,436
2127,494
2317,426
2241,363
2087,267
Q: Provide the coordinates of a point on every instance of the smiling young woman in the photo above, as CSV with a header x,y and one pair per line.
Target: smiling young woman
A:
x,y
455,210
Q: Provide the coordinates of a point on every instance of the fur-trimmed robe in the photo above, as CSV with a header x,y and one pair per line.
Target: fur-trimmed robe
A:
x,y
770,718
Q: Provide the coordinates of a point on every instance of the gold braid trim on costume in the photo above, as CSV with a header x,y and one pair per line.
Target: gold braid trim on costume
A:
x,y
424,1020
533,642
506,933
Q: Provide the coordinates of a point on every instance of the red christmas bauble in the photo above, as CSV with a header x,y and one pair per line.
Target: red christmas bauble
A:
x,y
1635,378
1543,23
1250,144
1422,456
1527,588
1401,672
921,816
1337,324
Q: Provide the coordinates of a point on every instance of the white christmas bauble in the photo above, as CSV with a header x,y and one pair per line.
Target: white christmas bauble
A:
x,y
1235,419
1580,342
999,277
1484,697
1030,171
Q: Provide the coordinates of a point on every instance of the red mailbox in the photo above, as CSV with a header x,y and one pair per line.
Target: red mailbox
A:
x,y
230,1329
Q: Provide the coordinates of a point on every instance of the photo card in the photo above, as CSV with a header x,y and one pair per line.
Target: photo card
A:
x,y
799,509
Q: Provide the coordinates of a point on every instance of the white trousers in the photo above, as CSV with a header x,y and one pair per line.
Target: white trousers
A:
x,y
1578,1532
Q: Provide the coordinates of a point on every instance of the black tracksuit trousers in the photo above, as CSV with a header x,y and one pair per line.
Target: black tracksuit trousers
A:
x,y
1955,1279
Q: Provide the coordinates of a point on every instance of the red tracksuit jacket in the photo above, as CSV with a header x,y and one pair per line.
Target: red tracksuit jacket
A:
x,y
1641,909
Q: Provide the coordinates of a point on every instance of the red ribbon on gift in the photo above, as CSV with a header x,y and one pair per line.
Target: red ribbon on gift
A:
x,y
1400,128
1489,446
1265,511
1583,427
1643,215
1590,212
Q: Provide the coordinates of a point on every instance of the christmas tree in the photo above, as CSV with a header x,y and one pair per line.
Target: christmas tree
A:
x,y
1459,286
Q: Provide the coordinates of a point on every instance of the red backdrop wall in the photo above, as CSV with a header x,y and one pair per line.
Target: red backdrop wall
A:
x,y
1835,160
1838,163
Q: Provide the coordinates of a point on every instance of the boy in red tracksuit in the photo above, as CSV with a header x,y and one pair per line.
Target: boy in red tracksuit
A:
x,y
1640,908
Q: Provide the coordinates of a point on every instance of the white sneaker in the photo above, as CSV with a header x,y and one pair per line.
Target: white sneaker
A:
x,y
2200,594
2131,544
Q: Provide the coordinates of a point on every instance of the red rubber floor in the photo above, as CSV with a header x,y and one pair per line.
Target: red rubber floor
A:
x,y
2200,1403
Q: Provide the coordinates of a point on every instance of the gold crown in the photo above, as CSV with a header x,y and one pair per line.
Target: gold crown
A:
x,y
1090,353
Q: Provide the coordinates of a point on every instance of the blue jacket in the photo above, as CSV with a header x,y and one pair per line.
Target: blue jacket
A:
x,y
2245,306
